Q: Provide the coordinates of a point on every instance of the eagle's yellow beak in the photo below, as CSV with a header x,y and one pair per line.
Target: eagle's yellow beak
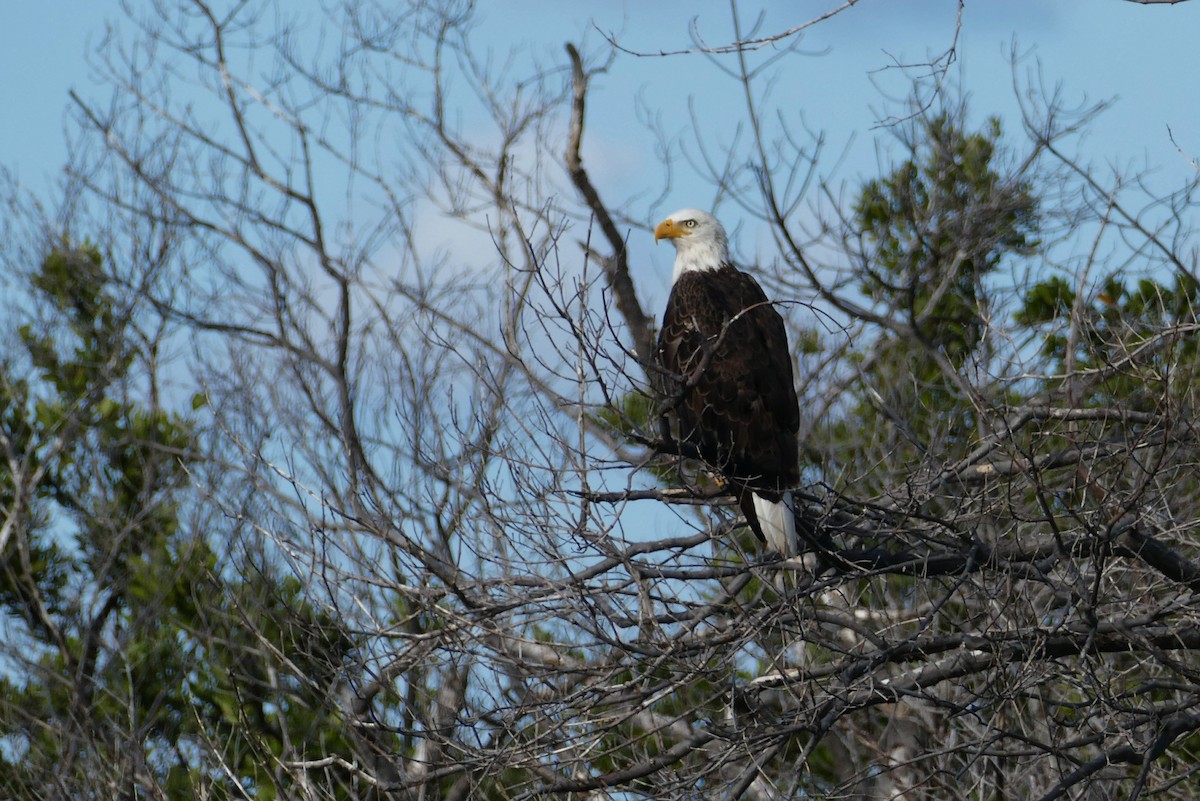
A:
x,y
667,229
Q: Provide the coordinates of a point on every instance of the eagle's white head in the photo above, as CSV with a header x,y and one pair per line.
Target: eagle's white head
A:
x,y
699,240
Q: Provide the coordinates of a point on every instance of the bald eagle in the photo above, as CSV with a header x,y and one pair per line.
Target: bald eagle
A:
x,y
735,402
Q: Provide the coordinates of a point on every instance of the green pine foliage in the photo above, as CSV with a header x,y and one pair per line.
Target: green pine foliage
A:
x,y
1100,331
145,665
939,225
933,231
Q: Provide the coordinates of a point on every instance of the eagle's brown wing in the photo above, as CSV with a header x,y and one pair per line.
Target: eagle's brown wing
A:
x,y
727,348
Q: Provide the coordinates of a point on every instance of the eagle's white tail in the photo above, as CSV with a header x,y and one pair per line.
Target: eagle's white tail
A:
x,y
778,523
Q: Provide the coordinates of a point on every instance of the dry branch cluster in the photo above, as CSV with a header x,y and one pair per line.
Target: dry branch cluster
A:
x,y
480,571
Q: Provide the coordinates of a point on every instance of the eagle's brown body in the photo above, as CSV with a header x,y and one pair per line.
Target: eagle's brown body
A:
x,y
726,346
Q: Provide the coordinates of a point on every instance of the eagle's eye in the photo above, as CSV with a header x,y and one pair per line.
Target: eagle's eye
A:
x,y
689,223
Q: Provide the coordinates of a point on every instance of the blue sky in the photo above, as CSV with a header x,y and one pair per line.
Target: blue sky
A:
x,y
1145,56
1142,57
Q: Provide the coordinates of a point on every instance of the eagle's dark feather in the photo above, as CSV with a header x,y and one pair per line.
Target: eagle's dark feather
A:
x,y
726,347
